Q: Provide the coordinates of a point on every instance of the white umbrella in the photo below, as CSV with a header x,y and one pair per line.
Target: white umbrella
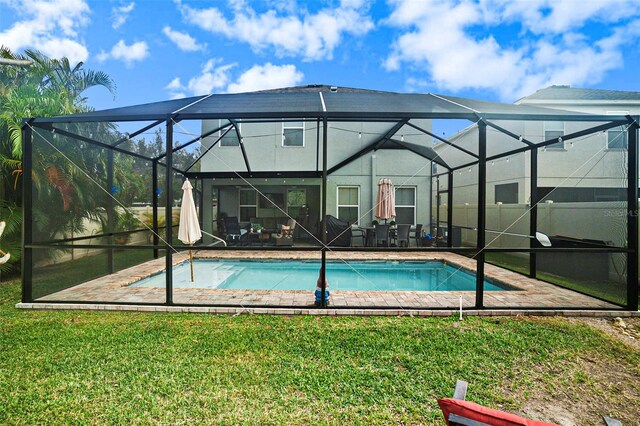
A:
x,y
189,230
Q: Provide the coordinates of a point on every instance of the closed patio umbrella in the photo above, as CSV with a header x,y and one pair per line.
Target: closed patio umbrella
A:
x,y
189,230
386,201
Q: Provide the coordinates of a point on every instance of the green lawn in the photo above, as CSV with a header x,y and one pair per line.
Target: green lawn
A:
x,y
133,368
615,292
56,277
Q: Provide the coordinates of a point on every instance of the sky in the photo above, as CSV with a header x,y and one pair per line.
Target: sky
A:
x,y
497,50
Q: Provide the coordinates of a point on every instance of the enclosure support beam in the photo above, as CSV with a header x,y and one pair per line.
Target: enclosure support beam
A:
x,y
206,150
450,209
201,201
129,136
110,210
154,206
323,268
92,141
570,136
441,139
241,143
437,224
318,145
507,132
194,140
371,147
168,213
27,213
435,157
632,218
533,211
482,189
575,135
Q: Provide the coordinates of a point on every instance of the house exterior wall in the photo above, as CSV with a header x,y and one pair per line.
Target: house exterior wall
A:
x,y
574,166
265,151
585,164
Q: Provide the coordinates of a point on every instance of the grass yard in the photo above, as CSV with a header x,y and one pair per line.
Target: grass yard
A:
x,y
58,276
137,368
615,292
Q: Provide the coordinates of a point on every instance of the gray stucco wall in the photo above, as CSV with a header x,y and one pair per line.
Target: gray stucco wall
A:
x,y
263,143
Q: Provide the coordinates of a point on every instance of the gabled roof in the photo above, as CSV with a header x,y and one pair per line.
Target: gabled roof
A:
x,y
316,102
567,93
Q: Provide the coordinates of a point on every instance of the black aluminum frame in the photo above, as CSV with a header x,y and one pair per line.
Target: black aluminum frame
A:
x,y
326,117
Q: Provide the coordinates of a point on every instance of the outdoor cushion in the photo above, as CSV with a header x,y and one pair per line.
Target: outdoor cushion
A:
x,y
477,412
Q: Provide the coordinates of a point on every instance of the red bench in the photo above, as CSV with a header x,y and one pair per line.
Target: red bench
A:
x,y
459,412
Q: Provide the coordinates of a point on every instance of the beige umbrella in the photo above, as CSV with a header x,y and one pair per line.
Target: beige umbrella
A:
x,y
386,202
189,229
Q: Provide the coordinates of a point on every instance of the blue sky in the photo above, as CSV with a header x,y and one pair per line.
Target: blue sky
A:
x,y
487,49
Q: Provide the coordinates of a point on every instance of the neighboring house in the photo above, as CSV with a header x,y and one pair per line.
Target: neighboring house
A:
x,y
294,146
581,183
560,165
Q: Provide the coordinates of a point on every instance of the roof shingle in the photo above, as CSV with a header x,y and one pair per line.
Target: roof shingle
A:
x,y
561,93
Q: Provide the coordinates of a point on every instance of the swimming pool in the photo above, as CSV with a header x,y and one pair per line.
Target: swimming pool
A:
x,y
302,275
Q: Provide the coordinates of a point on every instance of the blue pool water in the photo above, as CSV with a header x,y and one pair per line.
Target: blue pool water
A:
x,y
302,275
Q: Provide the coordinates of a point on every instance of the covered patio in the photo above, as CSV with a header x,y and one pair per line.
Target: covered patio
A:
x,y
82,169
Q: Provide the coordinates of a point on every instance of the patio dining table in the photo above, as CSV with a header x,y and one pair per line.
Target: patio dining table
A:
x,y
370,234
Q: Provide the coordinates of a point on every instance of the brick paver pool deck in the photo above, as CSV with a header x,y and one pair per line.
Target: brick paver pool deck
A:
x,y
530,296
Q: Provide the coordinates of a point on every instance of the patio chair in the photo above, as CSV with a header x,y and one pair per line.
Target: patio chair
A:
x,y
417,235
402,235
458,412
234,233
285,236
358,233
382,235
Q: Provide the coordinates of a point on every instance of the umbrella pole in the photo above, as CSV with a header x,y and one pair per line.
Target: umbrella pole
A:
x,y
191,263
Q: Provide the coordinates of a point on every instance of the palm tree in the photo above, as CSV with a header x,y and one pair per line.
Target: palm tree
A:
x,y
47,87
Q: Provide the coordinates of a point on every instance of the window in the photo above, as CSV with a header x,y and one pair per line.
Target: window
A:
x,y
293,133
617,138
296,199
231,138
406,206
349,204
554,130
507,193
582,195
248,207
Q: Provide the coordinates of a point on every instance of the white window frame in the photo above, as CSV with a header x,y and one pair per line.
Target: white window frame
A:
x,y
287,125
338,205
415,201
544,133
220,132
606,137
294,189
246,205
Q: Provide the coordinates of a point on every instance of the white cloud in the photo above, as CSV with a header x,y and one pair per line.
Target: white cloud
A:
x,y
216,77
127,53
120,14
176,89
184,41
49,26
267,76
175,84
312,36
213,77
439,39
